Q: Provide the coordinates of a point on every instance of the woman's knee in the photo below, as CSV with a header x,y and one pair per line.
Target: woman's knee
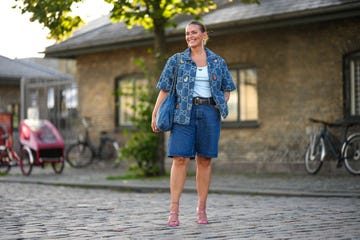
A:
x,y
203,161
180,161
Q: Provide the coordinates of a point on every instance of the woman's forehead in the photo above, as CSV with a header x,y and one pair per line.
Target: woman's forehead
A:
x,y
191,27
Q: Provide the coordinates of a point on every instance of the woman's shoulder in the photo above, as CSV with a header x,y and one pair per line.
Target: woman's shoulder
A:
x,y
212,56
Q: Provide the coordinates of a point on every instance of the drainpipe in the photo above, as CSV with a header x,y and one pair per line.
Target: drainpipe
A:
x,y
22,98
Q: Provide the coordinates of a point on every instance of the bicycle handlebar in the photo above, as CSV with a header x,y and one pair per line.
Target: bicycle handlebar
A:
x,y
342,123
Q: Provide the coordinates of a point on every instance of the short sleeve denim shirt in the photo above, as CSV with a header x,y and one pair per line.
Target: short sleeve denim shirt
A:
x,y
220,82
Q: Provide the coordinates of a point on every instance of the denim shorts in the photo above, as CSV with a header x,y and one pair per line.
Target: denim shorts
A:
x,y
200,137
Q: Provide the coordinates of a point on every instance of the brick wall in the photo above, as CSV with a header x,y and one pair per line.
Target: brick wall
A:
x,y
299,76
8,95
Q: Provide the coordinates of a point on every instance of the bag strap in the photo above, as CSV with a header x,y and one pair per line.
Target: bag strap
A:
x,y
173,86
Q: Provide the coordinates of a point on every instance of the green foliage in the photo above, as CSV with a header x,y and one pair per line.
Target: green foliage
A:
x,y
143,142
149,13
54,15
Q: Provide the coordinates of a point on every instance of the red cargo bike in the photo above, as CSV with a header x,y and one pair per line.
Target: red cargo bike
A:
x,y
42,144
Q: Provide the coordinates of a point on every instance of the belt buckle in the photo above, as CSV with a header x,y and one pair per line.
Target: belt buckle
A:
x,y
197,101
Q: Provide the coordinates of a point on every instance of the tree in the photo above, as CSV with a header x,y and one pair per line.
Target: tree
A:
x,y
153,15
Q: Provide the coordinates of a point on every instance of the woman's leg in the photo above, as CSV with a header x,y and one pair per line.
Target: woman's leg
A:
x,y
203,177
177,182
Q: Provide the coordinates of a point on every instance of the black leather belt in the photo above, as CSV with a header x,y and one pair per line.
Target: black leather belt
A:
x,y
199,100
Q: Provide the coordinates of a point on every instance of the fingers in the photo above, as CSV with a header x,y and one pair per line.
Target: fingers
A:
x,y
154,127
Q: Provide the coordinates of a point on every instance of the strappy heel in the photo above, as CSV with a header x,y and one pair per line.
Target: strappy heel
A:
x,y
173,220
202,218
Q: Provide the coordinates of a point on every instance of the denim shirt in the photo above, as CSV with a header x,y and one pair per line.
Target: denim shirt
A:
x,y
220,82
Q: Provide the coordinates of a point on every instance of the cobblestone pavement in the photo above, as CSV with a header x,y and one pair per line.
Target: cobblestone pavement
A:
x,y
257,184
32,211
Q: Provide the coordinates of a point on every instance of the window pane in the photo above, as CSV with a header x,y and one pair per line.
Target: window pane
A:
x,y
130,90
355,87
243,103
234,100
126,101
248,95
141,85
71,94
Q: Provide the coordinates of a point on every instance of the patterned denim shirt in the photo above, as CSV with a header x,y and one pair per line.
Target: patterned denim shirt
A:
x,y
220,82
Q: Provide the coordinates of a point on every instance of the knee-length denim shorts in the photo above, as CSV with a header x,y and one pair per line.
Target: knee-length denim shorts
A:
x,y
200,137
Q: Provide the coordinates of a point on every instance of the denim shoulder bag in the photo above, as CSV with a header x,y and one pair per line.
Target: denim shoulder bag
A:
x,y
165,114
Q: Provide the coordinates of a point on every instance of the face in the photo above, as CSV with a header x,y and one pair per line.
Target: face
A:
x,y
194,37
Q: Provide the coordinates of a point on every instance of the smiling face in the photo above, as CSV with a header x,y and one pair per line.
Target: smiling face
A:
x,y
194,36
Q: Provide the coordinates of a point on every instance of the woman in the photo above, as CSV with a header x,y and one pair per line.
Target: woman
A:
x,y
203,85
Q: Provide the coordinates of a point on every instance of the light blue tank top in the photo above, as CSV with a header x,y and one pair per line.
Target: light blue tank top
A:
x,y
202,84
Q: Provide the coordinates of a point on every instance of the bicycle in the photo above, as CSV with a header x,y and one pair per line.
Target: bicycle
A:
x,y
8,156
346,151
83,152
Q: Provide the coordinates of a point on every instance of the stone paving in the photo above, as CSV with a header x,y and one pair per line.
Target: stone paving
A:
x,y
83,204
255,184
32,211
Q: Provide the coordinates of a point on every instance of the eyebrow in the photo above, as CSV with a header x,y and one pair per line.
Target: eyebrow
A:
x,y
193,31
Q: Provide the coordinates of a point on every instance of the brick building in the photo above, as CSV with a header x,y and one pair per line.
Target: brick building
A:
x,y
291,60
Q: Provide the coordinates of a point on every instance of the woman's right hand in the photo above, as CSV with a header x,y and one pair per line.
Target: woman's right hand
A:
x,y
153,124
162,95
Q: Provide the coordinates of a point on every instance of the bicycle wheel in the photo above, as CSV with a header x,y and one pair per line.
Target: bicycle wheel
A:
x,y
26,161
4,166
351,154
79,155
58,166
314,155
109,151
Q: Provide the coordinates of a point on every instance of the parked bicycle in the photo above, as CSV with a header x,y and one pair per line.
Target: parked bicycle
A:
x,y
8,157
83,153
346,151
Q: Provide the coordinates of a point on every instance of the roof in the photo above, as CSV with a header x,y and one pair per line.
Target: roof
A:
x,y
12,71
102,35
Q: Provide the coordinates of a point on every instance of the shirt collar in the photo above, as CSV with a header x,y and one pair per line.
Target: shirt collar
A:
x,y
186,55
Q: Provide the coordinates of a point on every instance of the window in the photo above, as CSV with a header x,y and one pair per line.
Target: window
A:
x,y
352,85
243,103
62,104
128,91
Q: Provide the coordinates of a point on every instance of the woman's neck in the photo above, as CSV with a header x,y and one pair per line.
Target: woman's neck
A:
x,y
198,51
198,55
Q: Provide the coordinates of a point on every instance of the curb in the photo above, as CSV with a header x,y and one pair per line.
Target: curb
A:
x,y
140,188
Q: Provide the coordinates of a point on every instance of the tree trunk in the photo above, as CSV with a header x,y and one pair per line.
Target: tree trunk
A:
x,y
160,57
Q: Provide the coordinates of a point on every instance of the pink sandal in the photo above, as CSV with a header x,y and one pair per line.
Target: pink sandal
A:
x,y
202,218
173,220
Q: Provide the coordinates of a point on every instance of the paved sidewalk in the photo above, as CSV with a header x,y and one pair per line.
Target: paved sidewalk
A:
x,y
249,184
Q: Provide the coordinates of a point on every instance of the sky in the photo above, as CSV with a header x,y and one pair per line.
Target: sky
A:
x,y
20,38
